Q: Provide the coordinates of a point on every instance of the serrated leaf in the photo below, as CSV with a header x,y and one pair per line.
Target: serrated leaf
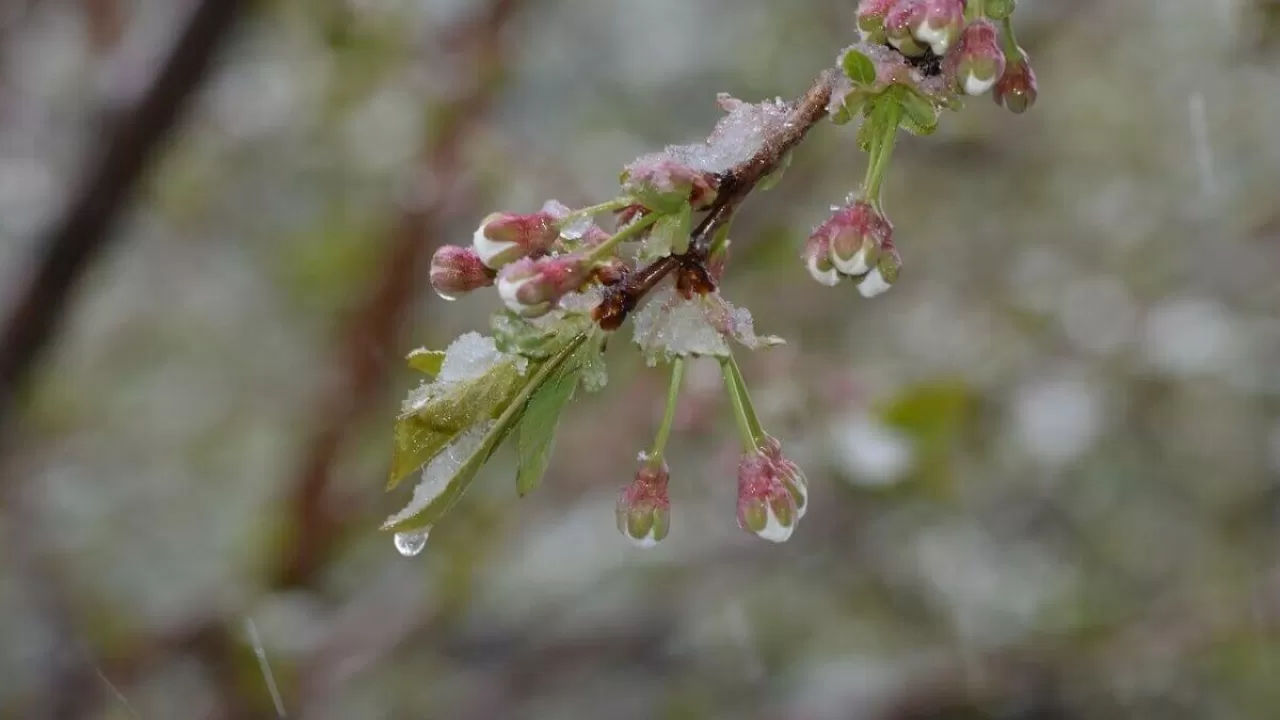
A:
x,y
858,67
537,431
426,361
505,422
670,234
919,115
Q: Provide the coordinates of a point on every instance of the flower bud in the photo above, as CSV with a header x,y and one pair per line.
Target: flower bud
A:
x,y
504,237
943,21
458,270
765,506
901,24
883,275
855,234
1017,89
977,61
871,15
792,476
532,287
817,259
644,509
661,183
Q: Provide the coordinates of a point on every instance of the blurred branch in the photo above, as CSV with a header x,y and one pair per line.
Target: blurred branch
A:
x,y
371,334
71,245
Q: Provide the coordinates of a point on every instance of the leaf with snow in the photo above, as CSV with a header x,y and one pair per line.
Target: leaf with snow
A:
x,y
426,361
671,326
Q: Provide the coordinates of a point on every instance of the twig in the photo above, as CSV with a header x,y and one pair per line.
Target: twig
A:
x,y
735,186
70,246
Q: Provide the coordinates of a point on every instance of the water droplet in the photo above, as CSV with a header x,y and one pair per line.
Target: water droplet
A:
x,y
409,544
443,296
575,229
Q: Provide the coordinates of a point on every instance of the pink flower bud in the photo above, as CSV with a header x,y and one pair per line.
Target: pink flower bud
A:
x,y
504,237
901,25
532,287
871,15
943,21
791,474
458,270
1017,88
661,183
854,234
644,509
766,507
977,61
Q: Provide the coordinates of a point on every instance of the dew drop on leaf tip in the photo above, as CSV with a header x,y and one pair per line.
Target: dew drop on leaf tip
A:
x,y
409,544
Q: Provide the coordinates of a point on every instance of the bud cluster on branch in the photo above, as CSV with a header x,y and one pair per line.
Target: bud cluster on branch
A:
x,y
569,278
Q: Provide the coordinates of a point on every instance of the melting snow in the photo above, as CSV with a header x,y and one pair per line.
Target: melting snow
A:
x,y
737,136
438,472
671,326
466,358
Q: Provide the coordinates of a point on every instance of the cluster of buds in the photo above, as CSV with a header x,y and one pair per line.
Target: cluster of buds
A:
x,y
644,509
855,242
532,287
773,493
962,43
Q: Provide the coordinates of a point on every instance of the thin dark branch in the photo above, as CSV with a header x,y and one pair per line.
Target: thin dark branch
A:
x,y
71,245
735,186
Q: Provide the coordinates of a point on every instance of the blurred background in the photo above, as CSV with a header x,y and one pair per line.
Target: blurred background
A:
x,y
1043,469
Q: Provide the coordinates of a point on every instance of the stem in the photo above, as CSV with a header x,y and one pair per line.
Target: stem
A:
x,y
1011,48
975,10
593,210
668,415
605,248
757,430
881,151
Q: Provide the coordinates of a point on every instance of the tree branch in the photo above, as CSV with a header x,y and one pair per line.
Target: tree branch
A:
x,y
71,245
735,186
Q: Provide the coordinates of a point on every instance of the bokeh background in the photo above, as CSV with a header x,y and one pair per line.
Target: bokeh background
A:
x,y
1044,468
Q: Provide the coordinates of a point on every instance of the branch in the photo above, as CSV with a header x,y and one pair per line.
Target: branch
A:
x,y
735,186
70,246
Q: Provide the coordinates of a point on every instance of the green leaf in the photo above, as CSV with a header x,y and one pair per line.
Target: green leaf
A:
x,y
505,422
873,121
670,234
919,115
858,67
421,435
537,432
517,335
772,179
426,361
851,106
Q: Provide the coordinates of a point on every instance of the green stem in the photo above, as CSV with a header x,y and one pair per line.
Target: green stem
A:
x,y
668,415
744,413
975,10
1010,41
593,210
882,150
757,430
605,248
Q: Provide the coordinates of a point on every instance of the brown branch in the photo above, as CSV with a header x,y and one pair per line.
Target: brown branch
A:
x,y
70,246
371,336
735,186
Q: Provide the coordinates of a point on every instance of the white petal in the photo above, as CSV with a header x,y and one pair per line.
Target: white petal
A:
x,y
938,39
646,541
873,284
774,530
489,249
507,290
827,277
974,85
855,265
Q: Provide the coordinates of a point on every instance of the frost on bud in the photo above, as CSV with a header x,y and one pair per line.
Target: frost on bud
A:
x,y
943,21
663,184
871,15
883,275
901,25
766,507
1016,89
644,509
458,270
854,235
532,287
505,237
977,62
